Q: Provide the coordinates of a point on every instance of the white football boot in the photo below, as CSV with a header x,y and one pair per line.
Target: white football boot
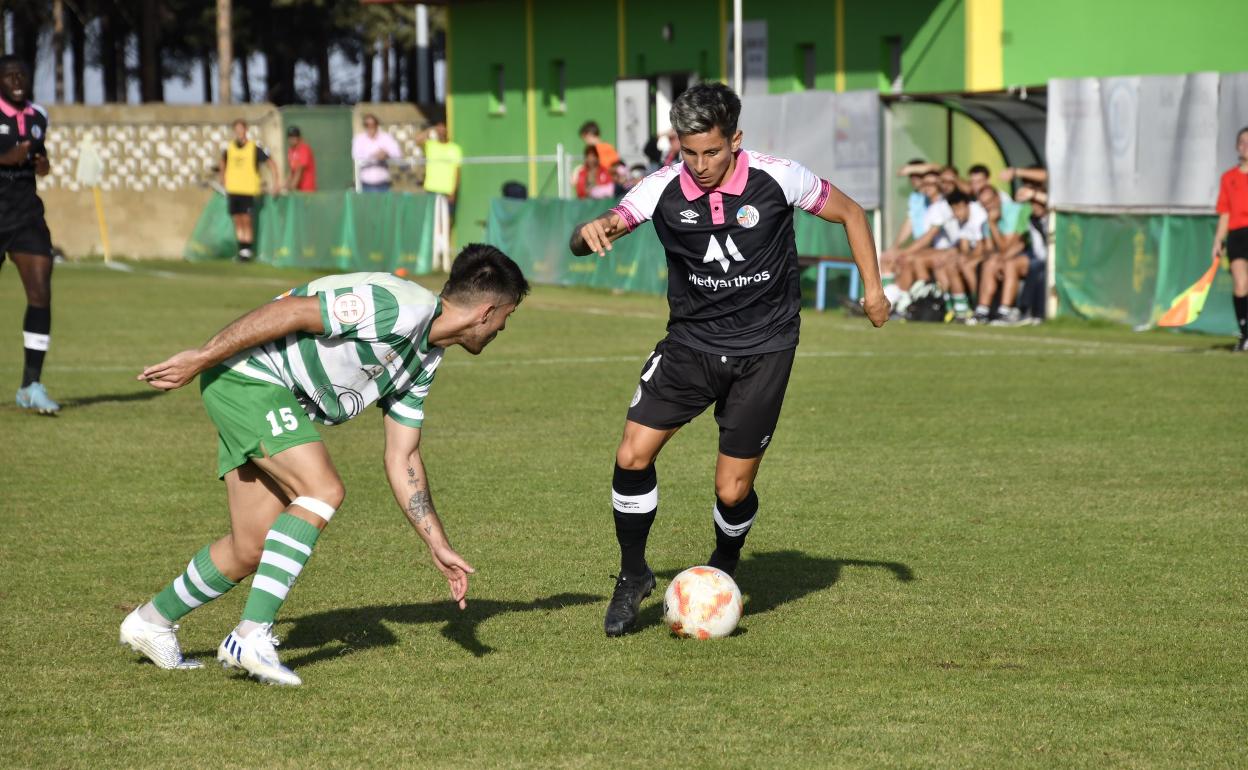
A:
x,y
254,654
156,642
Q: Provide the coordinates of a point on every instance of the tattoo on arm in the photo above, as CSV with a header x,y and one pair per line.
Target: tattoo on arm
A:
x,y
420,504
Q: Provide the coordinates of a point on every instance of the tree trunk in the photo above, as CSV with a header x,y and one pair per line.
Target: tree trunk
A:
x,y
225,52
205,75
121,40
108,54
78,45
244,71
366,92
151,80
385,70
58,50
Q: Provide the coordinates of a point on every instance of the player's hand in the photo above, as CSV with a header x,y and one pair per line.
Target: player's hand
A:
x,y
1007,174
1217,249
597,236
42,167
174,372
16,155
456,570
877,307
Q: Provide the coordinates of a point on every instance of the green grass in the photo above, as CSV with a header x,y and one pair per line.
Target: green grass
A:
x,y
977,547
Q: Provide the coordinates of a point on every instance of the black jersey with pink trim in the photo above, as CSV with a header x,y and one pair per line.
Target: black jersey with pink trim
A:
x,y
19,202
732,275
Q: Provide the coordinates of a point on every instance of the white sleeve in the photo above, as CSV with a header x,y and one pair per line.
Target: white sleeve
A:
x,y
639,204
803,188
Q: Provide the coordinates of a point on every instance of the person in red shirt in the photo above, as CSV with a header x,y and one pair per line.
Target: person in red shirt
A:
x,y
300,162
1233,228
592,179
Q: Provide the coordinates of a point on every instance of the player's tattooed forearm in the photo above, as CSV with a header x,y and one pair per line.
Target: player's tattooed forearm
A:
x,y
419,509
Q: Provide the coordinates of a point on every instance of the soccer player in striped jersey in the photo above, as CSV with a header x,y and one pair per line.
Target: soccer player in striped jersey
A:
x,y
320,353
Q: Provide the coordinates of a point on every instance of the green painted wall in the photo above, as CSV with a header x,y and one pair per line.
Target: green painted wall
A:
x,y
791,24
932,34
694,46
1081,38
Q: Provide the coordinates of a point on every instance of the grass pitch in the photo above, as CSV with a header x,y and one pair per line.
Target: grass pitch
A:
x,y
976,547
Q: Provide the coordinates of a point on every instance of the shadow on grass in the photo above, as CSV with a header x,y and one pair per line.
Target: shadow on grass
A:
x,y
771,578
341,632
111,398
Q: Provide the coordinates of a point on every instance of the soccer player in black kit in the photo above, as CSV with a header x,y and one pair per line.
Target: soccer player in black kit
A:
x,y
24,236
725,218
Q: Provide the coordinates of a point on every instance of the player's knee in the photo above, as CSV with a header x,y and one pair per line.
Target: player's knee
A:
x,y
330,492
631,458
732,491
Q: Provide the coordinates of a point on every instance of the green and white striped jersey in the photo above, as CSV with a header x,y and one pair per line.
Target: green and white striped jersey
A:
x,y
375,349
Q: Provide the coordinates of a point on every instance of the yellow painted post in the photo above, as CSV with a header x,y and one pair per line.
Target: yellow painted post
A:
x,y
985,20
99,215
621,40
723,41
450,105
530,95
840,45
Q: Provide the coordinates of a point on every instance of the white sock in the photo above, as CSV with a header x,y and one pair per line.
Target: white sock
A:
x,y
150,614
245,628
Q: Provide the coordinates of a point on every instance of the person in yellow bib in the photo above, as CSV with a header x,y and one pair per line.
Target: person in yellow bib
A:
x,y
240,176
442,161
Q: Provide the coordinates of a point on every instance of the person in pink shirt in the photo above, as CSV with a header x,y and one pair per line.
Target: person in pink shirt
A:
x,y
372,150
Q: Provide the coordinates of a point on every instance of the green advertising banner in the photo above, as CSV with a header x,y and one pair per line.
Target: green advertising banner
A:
x,y
535,233
344,231
1130,268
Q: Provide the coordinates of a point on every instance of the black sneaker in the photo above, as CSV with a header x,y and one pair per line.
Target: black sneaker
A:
x,y
622,611
723,563
1241,346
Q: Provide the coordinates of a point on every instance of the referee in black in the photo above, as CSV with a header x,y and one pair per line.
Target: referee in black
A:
x,y
24,236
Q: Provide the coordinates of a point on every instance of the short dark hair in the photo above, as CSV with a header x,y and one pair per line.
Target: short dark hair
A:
x,y
239,122
590,150
979,168
481,270
706,106
294,131
9,58
956,197
1241,132
949,167
916,162
589,127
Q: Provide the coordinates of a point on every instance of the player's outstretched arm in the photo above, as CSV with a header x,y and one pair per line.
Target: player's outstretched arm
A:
x,y
406,473
841,208
597,234
264,324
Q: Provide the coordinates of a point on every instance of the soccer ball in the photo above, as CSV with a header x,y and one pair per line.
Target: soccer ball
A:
x,y
702,603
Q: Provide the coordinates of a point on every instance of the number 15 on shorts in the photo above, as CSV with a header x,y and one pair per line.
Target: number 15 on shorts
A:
x,y
288,420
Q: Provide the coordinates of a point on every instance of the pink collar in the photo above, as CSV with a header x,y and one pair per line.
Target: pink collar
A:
x,y
734,186
9,111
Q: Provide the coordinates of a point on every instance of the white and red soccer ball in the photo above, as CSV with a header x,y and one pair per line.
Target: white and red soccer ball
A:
x,y
702,603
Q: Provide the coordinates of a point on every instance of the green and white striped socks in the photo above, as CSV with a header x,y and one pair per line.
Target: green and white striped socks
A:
x,y
287,547
201,583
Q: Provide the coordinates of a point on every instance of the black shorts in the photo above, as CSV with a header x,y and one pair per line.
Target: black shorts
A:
x,y
241,204
1237,244
678,383
33,238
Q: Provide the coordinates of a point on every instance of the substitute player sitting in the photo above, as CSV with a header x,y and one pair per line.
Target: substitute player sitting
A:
x,y
963,234
320,353
725,218
1006,263
24,235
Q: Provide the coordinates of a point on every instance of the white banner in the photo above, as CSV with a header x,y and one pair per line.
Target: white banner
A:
x,y
632,119
836,135
1134,142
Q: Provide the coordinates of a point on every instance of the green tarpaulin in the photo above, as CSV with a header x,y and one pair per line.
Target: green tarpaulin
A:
x,y
1129,268
535,233
329,230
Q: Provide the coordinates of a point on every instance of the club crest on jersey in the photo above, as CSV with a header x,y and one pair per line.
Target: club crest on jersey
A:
x,y
348,308
4,129
714,253
747,216
36,132
689,217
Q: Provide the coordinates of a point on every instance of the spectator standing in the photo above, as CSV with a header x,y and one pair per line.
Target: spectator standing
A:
x,y
372,150
300,162
240,176
607,156
592,178
1233,227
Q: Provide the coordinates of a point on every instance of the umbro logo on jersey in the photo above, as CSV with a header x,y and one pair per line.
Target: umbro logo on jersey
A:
x,y
689,217
716,254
